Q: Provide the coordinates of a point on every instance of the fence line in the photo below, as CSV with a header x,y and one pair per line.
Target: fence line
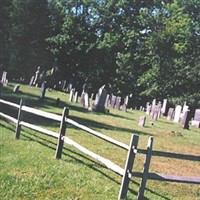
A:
x,y
61,137
168,178
99,135
171,155
109,164
127,172
9,103
70,121
9,118
39,129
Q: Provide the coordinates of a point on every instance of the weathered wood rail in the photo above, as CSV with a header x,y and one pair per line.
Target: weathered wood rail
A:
x,y
132,149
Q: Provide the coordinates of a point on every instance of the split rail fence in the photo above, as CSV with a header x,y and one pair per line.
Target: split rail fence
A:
x,y
127,173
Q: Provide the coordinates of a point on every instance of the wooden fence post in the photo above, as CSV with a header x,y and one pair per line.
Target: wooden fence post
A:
x,y
19,118
128,167
146,169
62,133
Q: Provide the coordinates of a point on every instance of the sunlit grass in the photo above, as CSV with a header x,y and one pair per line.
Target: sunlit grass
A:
x,y
29,170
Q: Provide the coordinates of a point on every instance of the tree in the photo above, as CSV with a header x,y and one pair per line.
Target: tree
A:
x,y
4,33
29,26
166,45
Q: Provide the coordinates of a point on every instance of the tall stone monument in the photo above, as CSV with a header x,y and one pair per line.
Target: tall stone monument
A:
x,y
99,104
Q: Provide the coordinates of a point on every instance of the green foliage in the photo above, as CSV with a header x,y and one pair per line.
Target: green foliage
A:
x,y
148,48
167,71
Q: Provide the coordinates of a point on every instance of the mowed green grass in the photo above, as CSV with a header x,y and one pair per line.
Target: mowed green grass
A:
x,y
30,171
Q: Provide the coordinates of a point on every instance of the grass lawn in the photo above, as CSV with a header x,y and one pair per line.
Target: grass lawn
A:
x,y
29,170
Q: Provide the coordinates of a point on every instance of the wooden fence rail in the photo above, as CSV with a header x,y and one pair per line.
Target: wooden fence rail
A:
x,y
127,172
61,138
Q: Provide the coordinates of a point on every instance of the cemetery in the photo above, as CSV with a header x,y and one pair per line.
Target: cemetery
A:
x,y
116,133
100,100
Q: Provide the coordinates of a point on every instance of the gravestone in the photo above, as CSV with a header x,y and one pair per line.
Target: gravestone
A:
x,y
43,90
177,113
76,97
71,95
31,81
113,101
99,105
148,108
69,87
154,102
152,106
164,106
108,100
126,103
96,99
64,83
170,114
37,73
118,102
16,88
82,101
197,115
196,120
4,78
86,100
159,107
185,120
155,112
142,121
84,95
185,108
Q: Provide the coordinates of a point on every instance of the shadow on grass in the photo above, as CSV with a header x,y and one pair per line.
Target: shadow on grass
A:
x,y
121,117
11,128
94,124
31,100
74,158
94,165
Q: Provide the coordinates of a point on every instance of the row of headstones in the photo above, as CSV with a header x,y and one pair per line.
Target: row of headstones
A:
x,y
99,103
102,99
117,102
179,114
155,110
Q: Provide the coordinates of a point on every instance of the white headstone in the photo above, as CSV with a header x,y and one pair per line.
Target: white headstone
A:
x,y
71,95
87,104
76,97
154,102
177,113
142,121
163,109
4,77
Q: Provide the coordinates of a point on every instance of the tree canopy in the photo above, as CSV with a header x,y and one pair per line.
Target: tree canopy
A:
x,y
150,49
